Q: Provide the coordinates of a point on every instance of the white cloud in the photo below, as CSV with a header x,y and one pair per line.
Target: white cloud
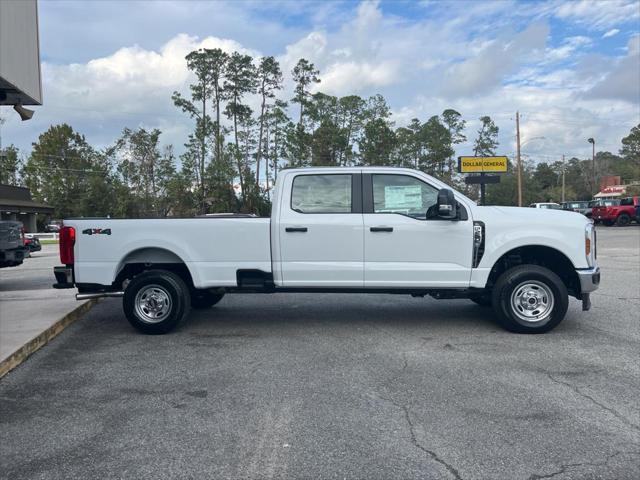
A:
x,y
599,14
483,72
623,80
610,33
357,77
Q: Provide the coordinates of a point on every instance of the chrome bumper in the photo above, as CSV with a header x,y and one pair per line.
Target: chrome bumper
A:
x,y
589,279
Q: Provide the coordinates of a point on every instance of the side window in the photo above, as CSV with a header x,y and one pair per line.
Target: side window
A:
x,y
404,195
321,194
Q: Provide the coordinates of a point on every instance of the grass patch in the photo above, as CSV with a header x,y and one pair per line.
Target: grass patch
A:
x,y
48,241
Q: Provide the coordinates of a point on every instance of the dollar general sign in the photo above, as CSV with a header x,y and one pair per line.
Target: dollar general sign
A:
x,y
482,164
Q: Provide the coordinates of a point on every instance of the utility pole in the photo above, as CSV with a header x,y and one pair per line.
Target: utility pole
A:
x,y
2,120
563,170
592,141
518,159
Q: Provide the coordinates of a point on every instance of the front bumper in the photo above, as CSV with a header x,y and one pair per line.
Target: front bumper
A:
x,y
589,279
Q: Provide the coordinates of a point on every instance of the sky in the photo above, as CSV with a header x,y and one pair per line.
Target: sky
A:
x,y
571,68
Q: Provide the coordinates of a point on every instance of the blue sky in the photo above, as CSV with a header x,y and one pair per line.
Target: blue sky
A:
x,y
571,68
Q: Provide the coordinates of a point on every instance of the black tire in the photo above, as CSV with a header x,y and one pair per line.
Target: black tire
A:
x,y
205,298
541,283
623,220
482,300
158,289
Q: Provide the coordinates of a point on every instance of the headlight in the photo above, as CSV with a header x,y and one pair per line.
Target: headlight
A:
x,y
590,244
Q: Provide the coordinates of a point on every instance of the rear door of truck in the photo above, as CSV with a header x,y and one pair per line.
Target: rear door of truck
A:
x,y
320,230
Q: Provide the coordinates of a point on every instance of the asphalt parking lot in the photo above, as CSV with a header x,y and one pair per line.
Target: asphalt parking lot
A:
x,y
338,386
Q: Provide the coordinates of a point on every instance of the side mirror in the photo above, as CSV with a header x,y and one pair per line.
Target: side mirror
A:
x,y
447,205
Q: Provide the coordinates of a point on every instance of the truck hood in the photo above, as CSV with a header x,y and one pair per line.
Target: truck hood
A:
x,y
529,216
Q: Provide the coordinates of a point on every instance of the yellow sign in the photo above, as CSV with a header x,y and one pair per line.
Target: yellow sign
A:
x,y
482,164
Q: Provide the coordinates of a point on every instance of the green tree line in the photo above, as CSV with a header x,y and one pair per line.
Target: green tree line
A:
x,y
233,154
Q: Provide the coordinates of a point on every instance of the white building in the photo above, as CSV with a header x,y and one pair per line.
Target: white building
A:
x,y
20,79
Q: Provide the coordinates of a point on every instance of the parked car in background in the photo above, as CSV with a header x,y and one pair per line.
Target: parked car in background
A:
x,y
601,203
580,206
32,243
620,213
547,205
12,247
52,228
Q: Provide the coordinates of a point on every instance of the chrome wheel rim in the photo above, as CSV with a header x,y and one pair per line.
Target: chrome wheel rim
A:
x,y
153,304
532,301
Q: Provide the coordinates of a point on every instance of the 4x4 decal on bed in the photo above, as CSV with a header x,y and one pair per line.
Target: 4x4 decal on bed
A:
x,y
97,231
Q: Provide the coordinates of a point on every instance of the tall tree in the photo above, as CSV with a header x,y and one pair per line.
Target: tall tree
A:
x,y
437,144
456,125
351,117
377,108
377,143
277,120
305,75
240,81
9,165
146,169
631,146
269,81
200,63
487,141
217,64
64,171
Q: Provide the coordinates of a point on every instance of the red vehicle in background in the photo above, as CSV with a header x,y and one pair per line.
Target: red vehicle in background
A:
x,y
621,214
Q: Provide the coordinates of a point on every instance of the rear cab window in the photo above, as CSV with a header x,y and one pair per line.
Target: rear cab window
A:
x,y
329,193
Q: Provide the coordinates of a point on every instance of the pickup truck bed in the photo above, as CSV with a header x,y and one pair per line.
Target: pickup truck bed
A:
x,y
212,248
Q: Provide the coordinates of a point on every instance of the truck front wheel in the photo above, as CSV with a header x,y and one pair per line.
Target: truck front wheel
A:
x,y
530,299
156,301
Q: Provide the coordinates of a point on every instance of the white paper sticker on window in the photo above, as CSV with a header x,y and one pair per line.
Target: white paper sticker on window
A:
x,y
402,197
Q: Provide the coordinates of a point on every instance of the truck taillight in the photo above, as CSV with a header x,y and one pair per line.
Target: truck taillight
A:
x,y
67,241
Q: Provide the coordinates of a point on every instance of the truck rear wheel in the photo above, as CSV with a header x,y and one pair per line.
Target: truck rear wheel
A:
x,y
156,301
205,299
530,299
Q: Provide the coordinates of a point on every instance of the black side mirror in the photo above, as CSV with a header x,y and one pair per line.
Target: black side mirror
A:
x,y
447,205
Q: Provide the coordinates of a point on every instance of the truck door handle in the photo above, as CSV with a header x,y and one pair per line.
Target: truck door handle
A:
x,y
295,229
381,229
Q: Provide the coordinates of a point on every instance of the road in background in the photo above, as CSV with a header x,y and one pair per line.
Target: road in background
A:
x,y
337,386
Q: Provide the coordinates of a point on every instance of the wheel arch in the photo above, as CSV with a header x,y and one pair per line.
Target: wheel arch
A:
x,y
152,258
541,255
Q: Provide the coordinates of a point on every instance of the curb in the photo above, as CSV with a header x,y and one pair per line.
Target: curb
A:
x,y
36,343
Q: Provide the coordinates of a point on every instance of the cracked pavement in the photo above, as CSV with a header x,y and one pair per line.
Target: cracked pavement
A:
x,y
338,386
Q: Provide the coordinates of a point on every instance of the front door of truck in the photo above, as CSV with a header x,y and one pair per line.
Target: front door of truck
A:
x,y
321,231
402,248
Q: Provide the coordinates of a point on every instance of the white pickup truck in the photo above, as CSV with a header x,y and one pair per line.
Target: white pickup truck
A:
x,y
361,230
